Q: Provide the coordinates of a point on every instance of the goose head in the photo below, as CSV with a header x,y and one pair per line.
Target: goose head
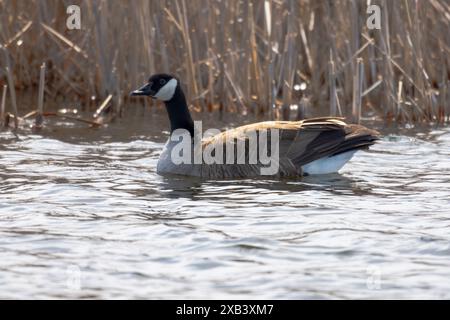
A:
x,y
159,86
167,88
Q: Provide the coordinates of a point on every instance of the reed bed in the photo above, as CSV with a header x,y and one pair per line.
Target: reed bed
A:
x,y
280,59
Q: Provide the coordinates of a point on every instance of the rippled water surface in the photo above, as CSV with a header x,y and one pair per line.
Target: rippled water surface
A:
x,y
83,214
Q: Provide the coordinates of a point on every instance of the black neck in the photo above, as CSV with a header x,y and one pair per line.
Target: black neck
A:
x,y
178,112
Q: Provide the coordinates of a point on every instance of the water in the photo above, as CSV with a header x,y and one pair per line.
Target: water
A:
x,y
83,214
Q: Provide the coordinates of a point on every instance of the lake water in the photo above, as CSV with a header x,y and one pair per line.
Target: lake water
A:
x,y
83,214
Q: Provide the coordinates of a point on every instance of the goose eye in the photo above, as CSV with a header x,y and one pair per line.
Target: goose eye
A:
x,y
162,82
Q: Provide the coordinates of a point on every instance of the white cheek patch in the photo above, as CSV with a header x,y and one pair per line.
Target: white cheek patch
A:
x,y
167,91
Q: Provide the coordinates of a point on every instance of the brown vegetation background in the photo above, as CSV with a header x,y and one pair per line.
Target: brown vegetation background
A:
x,y
283,59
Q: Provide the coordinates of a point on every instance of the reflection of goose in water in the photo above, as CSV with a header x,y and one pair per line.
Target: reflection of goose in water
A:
x,y
313,146
196,188
176,186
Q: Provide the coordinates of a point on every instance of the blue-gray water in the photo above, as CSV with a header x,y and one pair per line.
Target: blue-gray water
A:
x,y
83,214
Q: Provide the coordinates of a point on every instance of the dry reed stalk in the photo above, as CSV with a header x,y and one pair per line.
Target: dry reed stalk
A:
x,y
268,9
12,92
258,94
25,28
290,65
103,107
104,56
59,36
357,90
447,101
332,85
399,100
221,50
182,14
237,92
372,61
40,110
371,88
30,114
442,114
309,58
55,114
303,107
352,58
388,74
2,106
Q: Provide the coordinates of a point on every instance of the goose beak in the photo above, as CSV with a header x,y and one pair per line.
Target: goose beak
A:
x,y
143,91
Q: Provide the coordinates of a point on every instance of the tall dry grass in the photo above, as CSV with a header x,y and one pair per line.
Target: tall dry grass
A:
x,y
244,56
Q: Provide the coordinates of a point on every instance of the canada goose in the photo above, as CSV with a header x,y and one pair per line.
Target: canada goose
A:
x,y
312,146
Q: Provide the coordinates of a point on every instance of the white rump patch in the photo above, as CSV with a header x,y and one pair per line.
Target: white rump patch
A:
x,y
167,91
328,165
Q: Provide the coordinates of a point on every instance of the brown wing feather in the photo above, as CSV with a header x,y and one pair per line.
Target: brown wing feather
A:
x,y
300,143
